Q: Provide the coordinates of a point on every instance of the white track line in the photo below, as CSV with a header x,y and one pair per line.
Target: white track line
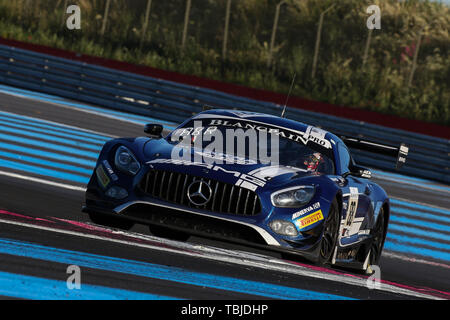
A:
x,y
391,254
37,180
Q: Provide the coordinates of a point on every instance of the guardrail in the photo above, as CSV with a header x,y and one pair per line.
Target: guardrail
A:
x,y
429,157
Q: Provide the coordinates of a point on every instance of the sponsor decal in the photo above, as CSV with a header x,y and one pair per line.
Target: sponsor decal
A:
x,y
313,134
312,207
318,136
101,176
310,219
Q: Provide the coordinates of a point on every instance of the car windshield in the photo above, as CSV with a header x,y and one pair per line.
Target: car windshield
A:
x,y
250,145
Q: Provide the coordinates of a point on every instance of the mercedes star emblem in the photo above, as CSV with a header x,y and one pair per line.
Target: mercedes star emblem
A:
x,y
199,192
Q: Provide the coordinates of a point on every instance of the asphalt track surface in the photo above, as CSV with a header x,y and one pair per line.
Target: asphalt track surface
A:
x,y
42,229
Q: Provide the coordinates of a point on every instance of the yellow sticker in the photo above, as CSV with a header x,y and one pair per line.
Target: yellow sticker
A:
x,y
310,219
102,177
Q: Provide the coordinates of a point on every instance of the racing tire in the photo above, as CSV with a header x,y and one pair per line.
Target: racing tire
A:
x,y
379,236
163,232
330,234
108,221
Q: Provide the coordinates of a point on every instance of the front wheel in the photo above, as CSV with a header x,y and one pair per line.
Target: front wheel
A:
x,y
330,234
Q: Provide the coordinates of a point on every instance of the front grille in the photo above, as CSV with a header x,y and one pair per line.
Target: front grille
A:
x,y
226,198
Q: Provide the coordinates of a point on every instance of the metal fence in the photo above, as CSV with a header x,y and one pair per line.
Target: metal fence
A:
x,y
170,101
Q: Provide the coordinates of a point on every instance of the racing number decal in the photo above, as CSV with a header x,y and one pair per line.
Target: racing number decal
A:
x,y
351,211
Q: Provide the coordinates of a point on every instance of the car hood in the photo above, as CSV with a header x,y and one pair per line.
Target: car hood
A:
x,y
162,155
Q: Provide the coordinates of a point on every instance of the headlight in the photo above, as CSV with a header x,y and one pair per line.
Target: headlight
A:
x,y
293,198
126,161
283,227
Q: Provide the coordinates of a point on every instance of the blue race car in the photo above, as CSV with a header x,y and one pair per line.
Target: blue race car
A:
x,y
255,179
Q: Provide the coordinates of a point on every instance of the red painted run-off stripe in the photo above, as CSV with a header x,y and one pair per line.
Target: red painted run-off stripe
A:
x,y
88,229
257,94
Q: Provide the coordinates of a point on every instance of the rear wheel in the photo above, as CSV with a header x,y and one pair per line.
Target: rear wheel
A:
x,y
330,234
379,235
110,221
376,247
163,232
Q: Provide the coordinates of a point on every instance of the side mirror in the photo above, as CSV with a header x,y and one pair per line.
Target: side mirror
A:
x,y
154,130
359,171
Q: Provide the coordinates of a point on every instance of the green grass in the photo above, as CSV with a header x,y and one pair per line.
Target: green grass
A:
x,y
381,85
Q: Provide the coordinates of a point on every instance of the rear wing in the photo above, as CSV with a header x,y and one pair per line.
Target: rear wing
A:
x,y
400,152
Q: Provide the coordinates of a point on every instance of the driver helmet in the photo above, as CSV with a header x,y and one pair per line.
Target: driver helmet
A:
x,y
312,161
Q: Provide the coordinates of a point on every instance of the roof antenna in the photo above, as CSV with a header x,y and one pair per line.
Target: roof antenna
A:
x,y
289,94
